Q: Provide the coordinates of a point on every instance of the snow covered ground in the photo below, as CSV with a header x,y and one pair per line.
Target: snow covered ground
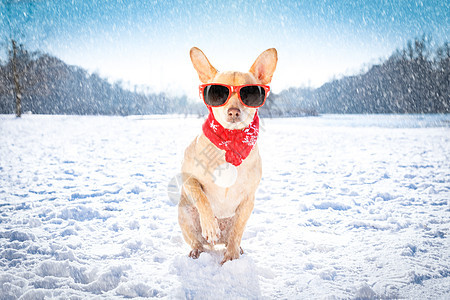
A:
x,y
348,207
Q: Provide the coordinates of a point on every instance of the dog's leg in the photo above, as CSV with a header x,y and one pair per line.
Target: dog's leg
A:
x,y
243,212
189,221
209,226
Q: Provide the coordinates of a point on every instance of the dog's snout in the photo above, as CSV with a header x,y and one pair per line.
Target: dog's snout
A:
x,y
234,112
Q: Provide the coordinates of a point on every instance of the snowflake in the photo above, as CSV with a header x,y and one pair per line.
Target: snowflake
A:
x,y
213,126
251,141
251,129
225,143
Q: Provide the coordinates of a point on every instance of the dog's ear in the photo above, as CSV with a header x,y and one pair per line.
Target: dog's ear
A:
x,y
265,65
206,72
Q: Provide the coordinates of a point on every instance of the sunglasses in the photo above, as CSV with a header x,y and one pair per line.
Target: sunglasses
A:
x,y
250,95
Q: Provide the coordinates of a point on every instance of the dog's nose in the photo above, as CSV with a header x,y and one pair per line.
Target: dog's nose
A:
x,y
233,112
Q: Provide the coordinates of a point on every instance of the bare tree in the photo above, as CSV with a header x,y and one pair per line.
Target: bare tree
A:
x,y
15,75
14,33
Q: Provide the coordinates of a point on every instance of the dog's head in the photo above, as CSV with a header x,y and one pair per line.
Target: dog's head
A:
x,y
235,115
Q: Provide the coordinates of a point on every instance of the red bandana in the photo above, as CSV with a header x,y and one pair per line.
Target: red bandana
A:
x,y
236,142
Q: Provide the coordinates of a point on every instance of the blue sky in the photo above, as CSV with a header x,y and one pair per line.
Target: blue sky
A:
x,y
147,42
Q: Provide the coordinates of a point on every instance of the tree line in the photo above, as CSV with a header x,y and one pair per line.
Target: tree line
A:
x,y
415,79
49,86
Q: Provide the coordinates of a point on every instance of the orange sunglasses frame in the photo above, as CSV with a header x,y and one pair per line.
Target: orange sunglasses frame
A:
x,y
234,89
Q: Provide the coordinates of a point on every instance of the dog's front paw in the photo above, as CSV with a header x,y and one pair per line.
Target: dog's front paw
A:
x,y
195,253
231,253
210,229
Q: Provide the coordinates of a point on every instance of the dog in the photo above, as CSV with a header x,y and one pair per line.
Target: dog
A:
x,y
221,169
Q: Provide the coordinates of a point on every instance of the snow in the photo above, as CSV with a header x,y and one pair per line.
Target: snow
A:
x,y
349,207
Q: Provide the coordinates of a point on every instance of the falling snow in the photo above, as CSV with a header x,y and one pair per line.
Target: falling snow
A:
x,y
349,206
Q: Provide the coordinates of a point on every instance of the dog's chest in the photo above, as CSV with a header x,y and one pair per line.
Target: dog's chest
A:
x,y
225,185
224,201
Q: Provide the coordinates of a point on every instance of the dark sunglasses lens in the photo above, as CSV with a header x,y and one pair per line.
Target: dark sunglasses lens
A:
x,y
253,95
215,95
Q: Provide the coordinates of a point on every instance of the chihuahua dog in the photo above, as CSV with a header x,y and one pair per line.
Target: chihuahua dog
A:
x,y
222,167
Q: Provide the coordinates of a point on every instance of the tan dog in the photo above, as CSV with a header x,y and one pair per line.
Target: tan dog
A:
x,y
209,213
